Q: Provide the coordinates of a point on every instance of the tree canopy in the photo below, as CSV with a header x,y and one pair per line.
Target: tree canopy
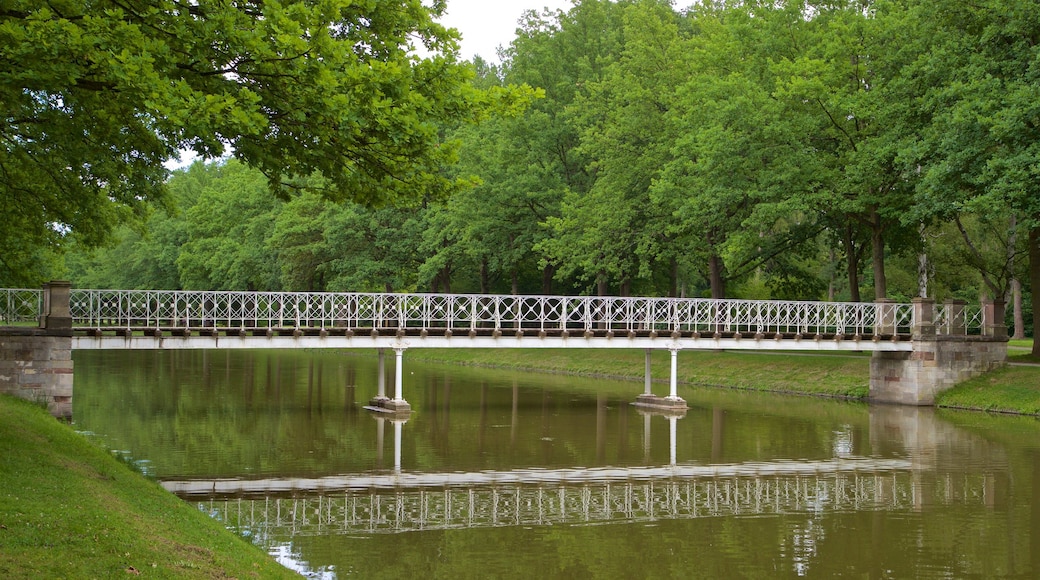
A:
x,y
842,150
95,95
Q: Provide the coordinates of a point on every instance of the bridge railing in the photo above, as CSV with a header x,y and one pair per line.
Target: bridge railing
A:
x,y
20,305
464,312
135,309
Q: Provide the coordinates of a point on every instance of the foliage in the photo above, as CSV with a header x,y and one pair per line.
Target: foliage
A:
x,y
795,149
96,95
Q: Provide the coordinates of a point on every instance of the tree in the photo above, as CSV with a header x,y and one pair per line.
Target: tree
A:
x,y
981,149
96,94
616,233
227,229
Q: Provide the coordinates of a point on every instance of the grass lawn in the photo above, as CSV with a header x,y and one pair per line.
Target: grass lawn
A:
x,y
1015,389
68,509
837,376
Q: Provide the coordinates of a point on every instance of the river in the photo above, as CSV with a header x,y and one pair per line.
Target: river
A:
x,y
513,475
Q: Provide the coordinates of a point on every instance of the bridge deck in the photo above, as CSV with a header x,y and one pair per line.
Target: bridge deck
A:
x,y
338,338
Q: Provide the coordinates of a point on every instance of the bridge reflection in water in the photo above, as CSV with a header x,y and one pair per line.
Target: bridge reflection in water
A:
x,y
407,510
395,501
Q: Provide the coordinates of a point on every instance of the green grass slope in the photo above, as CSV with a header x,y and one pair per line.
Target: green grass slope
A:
x,y
68,509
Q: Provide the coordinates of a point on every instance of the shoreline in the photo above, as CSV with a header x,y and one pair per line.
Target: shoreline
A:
x,y
1012,390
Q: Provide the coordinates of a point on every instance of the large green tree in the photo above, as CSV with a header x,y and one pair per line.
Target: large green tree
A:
x,y
96,94
981,79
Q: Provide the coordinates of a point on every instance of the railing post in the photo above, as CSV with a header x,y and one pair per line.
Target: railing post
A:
x,y
885,317
924,318
993,319
57,313
955,325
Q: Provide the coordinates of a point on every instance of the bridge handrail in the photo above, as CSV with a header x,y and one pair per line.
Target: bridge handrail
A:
x,y
135,309
464,312
19,305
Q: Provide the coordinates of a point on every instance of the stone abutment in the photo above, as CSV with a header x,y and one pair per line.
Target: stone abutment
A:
x,y
36,362
943,355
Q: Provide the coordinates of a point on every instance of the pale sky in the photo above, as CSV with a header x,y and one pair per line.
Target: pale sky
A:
x,y
487,24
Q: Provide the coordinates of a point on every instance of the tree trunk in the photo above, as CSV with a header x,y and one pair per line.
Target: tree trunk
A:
x,y
718,283
922,266
547,277
1016,284
715,267
626,288
1016,302
877,258
673,292
852,263
830,284
601,284
515,282
484,285
1034,281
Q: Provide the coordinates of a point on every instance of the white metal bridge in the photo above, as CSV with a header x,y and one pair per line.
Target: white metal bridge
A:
x,y
151,319
160,319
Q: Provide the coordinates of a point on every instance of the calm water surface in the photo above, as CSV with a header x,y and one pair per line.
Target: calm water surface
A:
x,y
500,474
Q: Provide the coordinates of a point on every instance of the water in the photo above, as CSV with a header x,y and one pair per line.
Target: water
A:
x,y
511,475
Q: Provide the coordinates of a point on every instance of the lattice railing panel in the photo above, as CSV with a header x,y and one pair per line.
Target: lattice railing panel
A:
x,y
382,311
20,305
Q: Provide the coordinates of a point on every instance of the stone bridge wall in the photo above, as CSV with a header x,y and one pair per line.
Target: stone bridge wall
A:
x,y
36,363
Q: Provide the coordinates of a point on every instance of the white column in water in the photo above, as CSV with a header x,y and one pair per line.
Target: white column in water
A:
x,y
646,437
397,446
398,374
673,393
671,439
646,386
382,375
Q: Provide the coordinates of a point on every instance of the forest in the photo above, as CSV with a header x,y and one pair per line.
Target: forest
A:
x,y
820,150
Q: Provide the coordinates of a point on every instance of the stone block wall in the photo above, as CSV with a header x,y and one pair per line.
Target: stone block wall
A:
x,y
36,364
936,364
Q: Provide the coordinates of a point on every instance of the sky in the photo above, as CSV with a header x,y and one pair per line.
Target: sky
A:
x,y
487,24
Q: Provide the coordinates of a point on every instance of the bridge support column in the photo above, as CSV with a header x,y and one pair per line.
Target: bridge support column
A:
x,y
938,361
671,403
36,363
381,402
646,374
380,397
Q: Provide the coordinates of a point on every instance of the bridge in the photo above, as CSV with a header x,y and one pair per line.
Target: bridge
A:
x,y
918,348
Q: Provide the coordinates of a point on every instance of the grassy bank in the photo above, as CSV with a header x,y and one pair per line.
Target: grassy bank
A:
x,y
68,509
1012,390
829,375
1015,389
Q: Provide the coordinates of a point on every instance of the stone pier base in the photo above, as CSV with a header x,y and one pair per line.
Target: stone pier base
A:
x,y
36,364
389,406
936,364
661,404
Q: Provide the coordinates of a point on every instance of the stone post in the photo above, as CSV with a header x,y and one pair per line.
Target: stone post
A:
x,y
954,323
924,318
57,313
885,325
993,319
